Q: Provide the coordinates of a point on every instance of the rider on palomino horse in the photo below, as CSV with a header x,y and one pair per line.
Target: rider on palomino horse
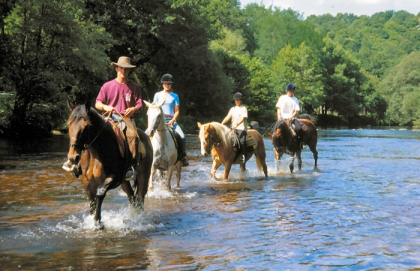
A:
x,y
239,115
287,109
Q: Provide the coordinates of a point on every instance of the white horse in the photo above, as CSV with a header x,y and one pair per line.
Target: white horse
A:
x,y
165,154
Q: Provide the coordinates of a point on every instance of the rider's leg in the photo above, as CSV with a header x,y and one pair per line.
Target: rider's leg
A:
x,y
298,128
242,139
181,145
131,138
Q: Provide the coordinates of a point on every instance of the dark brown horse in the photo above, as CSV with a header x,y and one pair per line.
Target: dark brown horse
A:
x,y
95,151
284,141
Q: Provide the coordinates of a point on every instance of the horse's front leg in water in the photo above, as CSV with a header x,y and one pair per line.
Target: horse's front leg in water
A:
x,y
98,224
299,157
215,166
228,166
292,163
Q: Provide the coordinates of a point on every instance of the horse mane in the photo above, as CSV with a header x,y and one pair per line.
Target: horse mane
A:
x,y
221,131
80,112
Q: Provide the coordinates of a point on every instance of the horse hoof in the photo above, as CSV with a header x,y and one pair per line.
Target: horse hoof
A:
x,y
99,226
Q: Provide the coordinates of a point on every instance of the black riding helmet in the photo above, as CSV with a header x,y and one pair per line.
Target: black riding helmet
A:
x,y
291,87
167,78
237,96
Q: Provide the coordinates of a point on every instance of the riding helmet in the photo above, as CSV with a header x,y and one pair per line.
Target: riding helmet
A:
x,y
291,87
166,78
237,96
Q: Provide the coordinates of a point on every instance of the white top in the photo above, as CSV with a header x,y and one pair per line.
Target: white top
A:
x,y
237,113
287,105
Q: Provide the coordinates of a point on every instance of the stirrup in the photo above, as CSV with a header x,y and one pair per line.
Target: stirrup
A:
x,y
131,174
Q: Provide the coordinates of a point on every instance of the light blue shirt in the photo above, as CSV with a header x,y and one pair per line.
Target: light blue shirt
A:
x,y
171,100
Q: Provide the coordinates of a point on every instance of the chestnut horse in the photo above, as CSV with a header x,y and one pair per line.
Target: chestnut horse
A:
x,y
284,141
96,152
216,139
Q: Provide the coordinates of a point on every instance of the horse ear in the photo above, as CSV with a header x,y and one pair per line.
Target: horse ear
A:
x,y
70,105
199,125
147,103
87,105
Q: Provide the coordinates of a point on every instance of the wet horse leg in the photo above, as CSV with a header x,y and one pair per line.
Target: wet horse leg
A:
x,y
292,162
299,158
178,167
315,153
228,166
215,166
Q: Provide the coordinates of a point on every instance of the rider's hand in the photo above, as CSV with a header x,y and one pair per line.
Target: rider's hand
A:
x,y
129,112
171,122
108,108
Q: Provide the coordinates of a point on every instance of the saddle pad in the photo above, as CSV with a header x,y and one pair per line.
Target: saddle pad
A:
x,y
250,142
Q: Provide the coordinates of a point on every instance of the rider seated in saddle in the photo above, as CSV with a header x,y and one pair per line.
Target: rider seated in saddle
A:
x,y
122,98
171,110
239,115
287,109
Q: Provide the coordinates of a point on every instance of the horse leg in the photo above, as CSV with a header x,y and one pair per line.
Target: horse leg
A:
x,y
98,224
299,157
278,156
178,167
228,166
169,177
215,166
292,162
315,153
152,173
126,187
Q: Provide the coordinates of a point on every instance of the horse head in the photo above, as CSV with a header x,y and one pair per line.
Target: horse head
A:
x,y
206,135
155,118
211,134
78,124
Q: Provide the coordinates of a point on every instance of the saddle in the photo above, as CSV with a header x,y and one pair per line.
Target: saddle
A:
x,y
249,142
119,129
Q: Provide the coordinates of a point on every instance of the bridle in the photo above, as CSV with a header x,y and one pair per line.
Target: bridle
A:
x,y
86,146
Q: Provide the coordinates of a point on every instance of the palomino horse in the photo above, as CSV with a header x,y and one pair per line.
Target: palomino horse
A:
x,y
217,139
284,141
165,154
95,150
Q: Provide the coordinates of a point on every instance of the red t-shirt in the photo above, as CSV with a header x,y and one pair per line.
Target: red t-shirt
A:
x,y
120,96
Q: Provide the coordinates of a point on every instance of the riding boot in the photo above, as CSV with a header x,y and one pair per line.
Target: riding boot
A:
x,y
183,153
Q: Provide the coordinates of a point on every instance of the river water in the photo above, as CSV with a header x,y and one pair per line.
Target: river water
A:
x,y
359,212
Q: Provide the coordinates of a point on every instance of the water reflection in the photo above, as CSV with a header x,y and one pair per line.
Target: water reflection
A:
x,y
360,211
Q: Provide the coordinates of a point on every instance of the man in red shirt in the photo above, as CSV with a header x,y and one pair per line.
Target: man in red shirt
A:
x,y
122,97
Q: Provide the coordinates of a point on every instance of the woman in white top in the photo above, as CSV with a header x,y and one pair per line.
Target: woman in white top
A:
x,y
239,115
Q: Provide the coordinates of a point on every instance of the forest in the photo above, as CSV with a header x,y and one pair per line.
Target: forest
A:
x,y
349,70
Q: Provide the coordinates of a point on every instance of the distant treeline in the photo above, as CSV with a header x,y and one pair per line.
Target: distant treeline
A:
x,y
358,69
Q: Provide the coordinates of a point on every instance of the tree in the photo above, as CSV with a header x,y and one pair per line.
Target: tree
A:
x,y
301,66
401,89
51,54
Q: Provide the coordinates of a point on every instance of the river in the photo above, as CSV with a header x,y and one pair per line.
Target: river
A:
x,y
360,211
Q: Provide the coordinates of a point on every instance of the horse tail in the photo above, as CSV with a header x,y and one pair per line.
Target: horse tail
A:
x,y
259,164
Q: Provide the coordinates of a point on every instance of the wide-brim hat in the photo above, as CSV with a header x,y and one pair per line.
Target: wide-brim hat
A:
x,y
123,62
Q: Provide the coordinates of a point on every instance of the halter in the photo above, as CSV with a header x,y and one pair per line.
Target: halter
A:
x,y
86,146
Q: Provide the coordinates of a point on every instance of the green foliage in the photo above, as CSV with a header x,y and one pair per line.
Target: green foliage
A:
x,y
401,89
302,67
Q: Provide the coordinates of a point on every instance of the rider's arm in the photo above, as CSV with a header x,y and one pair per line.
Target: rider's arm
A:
x,y
175,117
243,119
103,107
279,113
